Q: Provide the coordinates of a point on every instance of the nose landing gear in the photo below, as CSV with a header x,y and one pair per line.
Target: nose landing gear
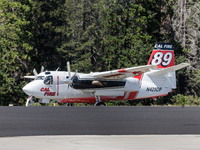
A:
x,y
29,101
99,102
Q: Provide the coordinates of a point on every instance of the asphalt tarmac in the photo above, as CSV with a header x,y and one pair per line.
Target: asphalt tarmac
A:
x,y
42,121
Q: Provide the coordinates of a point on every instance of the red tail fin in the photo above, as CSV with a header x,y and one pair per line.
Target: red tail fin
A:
x,y
162,55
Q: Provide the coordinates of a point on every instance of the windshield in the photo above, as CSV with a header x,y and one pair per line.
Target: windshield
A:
x,y
40,78
48,80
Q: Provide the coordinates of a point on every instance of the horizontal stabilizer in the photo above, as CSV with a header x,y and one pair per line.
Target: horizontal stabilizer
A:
x,y
29,77
168,70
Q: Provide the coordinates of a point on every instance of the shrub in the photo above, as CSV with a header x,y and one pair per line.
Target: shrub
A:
x,y
180,99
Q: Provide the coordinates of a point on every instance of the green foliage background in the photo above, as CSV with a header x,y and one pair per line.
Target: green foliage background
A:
x,y
94,35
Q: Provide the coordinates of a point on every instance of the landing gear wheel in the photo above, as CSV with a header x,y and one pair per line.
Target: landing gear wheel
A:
x,y
68,104
29,103
99,104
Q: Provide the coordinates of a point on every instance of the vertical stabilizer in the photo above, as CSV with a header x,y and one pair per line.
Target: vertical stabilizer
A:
x,y
156,83
159,82
162,55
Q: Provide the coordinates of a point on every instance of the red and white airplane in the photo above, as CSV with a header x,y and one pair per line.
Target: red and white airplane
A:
x,y
155,79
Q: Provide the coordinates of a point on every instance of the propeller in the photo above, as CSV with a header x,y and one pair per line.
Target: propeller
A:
x,y
35,73
70,79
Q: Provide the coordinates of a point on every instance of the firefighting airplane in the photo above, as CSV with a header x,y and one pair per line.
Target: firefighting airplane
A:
x,y
155,79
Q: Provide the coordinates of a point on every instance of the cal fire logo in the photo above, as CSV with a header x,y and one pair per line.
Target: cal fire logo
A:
x,y
163,46
162,55
47,92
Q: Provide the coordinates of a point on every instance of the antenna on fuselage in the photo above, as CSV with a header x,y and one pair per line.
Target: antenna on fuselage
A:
x,y
57,68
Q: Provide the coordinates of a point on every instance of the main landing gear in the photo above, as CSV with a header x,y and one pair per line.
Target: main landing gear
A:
x,y
99,102
68,104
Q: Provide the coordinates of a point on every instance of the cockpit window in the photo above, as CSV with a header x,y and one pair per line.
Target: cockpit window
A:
x,y
46,73
48,80
40,78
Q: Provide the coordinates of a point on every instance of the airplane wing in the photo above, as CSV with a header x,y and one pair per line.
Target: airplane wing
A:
x,y
123,73
168,70
29,77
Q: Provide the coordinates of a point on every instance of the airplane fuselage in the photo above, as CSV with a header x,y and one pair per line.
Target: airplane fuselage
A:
x,y
51,86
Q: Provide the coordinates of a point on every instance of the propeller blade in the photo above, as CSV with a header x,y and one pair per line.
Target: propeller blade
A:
x,y
42,69
69,81
74,74
68,69
35,72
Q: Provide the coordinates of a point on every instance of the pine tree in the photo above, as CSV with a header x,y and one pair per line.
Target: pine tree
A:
x,y
47,19
186,29
83,37
15,36
124,25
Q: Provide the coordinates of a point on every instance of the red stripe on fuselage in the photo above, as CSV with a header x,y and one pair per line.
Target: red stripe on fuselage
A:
x,y
93,99
86,99
139,77
104,99
57,85
132,95
153,96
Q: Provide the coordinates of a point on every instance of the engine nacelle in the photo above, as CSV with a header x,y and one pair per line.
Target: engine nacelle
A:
x,y
132,84
91,85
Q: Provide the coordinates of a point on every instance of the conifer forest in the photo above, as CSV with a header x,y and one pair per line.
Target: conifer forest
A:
x,y
97,35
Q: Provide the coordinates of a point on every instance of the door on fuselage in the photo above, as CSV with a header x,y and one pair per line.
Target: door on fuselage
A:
x,y
50,86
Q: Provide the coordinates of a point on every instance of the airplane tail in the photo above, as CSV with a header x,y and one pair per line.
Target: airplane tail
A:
x,y
161,80
162,55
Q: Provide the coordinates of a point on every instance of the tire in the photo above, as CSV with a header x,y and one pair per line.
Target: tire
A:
x,y
100,104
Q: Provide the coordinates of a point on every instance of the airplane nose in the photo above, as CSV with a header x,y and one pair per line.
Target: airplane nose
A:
x,y
28,89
